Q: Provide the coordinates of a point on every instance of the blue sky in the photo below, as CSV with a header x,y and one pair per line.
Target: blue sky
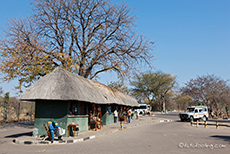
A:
x,y
192,36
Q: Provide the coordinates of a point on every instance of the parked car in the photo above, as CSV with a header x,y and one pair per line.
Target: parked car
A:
x,y
195,113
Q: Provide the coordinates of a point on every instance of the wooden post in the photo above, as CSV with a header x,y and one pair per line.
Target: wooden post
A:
x,y
31,112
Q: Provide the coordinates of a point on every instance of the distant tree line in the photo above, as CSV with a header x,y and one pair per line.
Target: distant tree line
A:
x,y
160,91
12,109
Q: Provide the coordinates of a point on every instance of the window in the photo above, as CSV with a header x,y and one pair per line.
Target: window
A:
x,y
190,109
78,108
73,108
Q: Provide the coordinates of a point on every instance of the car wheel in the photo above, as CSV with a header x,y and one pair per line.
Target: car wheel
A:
x,y
204,118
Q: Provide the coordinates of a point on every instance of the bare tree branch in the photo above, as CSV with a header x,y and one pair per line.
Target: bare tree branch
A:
x,y
84,36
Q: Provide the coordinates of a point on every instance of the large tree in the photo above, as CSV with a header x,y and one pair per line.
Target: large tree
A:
x,y
208,89
84,36
154,86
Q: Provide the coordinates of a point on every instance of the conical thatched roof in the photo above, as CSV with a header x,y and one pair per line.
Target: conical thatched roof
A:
x,y
63,85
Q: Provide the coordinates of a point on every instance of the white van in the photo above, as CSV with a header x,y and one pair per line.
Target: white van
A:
x,y
143,108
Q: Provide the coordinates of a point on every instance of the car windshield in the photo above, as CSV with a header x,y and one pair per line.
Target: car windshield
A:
x,y
190,109
143,107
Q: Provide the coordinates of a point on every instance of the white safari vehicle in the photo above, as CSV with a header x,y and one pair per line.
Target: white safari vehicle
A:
x,y
143,108
195,113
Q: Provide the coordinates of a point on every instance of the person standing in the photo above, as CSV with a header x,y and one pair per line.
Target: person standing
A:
x,y
128,115
137,113
115,116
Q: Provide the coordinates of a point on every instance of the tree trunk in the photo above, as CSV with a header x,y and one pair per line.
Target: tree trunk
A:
x,y
164,106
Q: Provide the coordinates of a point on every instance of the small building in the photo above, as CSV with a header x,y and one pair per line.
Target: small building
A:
x,y
68,98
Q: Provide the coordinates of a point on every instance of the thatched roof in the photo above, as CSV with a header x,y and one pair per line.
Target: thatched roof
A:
x,y
114,96
129,101
107,92
63,85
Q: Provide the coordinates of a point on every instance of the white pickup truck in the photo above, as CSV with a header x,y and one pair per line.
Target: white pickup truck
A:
x,y
195,113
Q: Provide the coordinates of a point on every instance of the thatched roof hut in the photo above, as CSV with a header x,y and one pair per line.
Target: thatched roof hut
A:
x,y
63,85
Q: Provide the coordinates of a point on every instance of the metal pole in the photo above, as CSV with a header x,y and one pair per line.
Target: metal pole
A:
x,y
18,111
217,125
205,124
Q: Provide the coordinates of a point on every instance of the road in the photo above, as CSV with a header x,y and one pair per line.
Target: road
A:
x,y
173,137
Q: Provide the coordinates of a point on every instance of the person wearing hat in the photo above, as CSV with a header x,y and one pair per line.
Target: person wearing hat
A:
x,y
52,128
